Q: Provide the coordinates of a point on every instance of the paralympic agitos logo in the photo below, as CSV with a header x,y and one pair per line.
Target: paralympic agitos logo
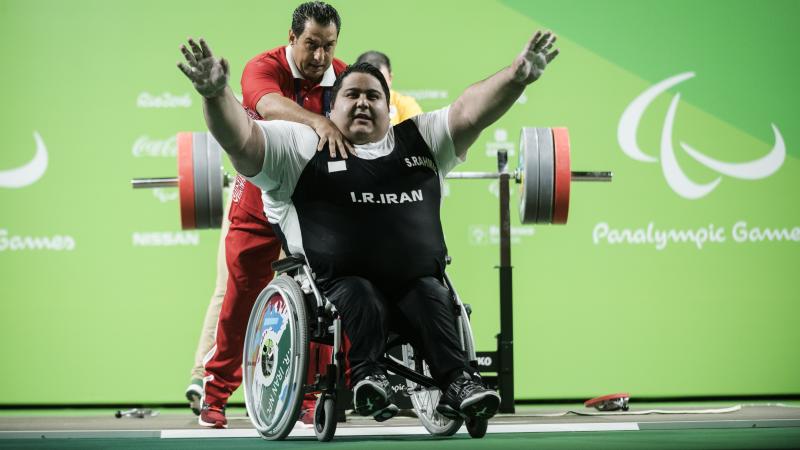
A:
x,y
29,173
676,178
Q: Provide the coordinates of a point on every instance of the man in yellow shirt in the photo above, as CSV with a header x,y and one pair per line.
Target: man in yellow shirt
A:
x,y
401,107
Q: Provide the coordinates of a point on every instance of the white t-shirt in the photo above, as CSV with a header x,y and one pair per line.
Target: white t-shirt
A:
x,y
290,145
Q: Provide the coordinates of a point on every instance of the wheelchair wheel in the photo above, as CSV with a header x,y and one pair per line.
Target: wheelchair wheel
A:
x,y
425,399
275,358
325,418
476,427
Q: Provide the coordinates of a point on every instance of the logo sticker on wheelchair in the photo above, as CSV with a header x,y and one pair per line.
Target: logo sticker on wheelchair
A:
x,y
274,357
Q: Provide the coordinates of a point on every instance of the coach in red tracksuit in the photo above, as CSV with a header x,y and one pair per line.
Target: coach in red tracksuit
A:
x,y
287,83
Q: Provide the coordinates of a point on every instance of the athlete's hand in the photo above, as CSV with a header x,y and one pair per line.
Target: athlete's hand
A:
x,y
209,75
330,134
530,64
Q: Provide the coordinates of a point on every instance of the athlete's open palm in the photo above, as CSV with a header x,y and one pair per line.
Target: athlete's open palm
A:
x,y
209,75
530,64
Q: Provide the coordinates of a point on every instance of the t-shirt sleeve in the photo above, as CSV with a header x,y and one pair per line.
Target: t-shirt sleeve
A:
x,y
261,77
288,148
436,133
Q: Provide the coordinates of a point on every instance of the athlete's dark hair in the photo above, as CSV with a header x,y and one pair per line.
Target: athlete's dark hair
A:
x,y
375,58
363,67
321,12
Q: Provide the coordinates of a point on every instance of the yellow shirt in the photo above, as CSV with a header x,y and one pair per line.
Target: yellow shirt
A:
x,y
402,107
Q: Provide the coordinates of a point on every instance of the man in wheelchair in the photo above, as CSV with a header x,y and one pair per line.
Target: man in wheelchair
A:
x,y
369,224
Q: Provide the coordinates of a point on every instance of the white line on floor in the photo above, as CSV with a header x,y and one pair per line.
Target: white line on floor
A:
x,y
299,431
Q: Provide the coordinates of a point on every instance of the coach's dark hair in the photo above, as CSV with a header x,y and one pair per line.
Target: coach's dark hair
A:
x,y
321,12
359,68
375,58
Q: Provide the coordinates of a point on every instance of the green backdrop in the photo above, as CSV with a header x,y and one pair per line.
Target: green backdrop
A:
x,y
102,296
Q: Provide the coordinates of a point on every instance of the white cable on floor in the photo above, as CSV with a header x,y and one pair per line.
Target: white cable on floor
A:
x,y
639,413
778,405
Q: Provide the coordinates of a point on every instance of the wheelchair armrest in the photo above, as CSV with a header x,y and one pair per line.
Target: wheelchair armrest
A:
x,y
288,263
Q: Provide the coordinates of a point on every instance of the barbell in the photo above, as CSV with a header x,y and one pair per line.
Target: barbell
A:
x,y
543,175
200,180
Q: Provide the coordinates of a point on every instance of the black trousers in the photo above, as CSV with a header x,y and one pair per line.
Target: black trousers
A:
x,y
420,311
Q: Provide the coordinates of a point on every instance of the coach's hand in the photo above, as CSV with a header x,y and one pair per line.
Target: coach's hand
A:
x,y
330,134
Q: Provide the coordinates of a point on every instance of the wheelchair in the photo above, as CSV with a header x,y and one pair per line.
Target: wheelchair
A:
x,y
288,314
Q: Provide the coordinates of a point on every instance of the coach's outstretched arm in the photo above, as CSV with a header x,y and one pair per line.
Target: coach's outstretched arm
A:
x,y
486,101
225,117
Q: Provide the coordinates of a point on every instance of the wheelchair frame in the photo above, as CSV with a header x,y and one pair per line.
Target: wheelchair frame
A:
x,y
275,309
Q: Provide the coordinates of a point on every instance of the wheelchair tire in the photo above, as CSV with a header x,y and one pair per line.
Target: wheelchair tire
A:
x,y
276,358
325,418
476,427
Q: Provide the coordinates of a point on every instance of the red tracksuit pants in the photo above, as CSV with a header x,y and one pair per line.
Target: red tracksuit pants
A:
x,y
250,248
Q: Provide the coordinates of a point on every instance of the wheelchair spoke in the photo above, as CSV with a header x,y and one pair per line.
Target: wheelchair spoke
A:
x,y
426,399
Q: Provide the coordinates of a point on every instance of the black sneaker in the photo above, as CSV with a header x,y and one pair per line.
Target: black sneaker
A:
x,y
370,398
468,397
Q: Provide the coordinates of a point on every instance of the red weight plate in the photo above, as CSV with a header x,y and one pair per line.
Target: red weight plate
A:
x,y
186,180
563,176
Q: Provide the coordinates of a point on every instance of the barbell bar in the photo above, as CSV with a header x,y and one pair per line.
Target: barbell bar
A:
x,y
543,175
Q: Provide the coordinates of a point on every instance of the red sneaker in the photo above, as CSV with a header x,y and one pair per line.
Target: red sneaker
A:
x,y
212,417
